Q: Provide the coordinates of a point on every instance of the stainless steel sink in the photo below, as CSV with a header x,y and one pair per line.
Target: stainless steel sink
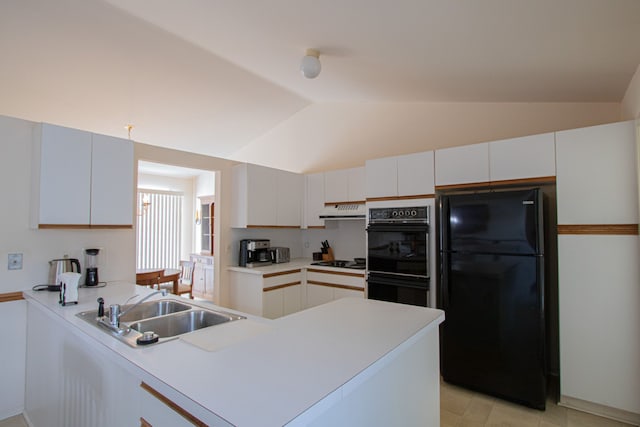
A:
x,y
163,320
182,323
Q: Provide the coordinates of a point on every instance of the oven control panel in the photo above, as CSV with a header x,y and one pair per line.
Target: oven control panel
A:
x,y
411,214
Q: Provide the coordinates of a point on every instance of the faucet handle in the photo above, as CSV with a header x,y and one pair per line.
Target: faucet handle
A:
x,y
114,314
100,307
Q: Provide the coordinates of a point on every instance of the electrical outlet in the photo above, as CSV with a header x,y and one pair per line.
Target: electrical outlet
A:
x,y
15,262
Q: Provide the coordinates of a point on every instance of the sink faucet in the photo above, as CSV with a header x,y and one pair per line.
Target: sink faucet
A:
x,y
115,312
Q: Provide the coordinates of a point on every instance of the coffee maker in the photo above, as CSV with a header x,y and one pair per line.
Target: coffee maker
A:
x,y
254,253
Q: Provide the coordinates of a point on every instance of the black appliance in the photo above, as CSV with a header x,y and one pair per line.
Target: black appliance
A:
x,y
91,278
254,253
341,264
398,255
492,291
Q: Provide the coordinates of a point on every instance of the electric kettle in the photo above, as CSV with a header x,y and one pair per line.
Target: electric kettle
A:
x,y
59,266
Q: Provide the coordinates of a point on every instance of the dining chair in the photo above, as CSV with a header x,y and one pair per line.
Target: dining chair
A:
x,y
151,279
185,281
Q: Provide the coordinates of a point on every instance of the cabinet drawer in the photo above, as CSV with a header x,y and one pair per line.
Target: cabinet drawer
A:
x,y
338,279
282,279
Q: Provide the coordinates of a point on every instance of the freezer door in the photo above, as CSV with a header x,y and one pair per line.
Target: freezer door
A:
x,y
493,222
493,335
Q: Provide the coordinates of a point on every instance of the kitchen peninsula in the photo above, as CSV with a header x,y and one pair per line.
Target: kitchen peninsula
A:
x,y
349,362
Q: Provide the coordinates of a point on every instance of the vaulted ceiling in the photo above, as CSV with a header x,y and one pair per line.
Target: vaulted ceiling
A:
x,y
211,76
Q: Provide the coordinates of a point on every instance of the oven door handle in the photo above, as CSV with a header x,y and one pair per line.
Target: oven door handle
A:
x,y
398,227
398,283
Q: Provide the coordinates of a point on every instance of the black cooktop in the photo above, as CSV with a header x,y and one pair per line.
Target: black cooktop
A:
x,y
340,263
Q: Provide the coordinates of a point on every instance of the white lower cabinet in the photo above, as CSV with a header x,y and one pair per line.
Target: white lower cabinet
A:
x,y
159,411
71,383
274,295
324,286
271,295
599,291
202,276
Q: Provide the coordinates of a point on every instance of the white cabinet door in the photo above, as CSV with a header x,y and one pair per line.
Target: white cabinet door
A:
x,y
356,184
65,175
519,158
112,181
292,299
382,177
289,189
462,165
415,174
314,200
335,186
596,175
318,294
273,303
599,309
262,202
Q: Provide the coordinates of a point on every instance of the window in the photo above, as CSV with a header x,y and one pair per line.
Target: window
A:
x,y
159,233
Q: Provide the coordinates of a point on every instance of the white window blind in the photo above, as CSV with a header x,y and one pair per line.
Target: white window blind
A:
x,y
159,231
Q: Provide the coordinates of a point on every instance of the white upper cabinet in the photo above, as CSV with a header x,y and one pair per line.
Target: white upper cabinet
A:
x,y
596,175
82,178
111,187
462,165
520,158
290,188
398,176
265,197
314,199
382,177
344,185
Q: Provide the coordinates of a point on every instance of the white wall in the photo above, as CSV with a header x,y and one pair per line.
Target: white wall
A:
x,y
332,136
631,100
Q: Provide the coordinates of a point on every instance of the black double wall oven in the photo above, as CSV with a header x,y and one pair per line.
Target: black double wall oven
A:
x,y
398,255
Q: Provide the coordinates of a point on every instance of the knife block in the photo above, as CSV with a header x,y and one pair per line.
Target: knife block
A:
x,y
328,256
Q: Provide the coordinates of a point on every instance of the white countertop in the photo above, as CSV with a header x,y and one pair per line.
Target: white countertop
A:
x,y
292,265
273,376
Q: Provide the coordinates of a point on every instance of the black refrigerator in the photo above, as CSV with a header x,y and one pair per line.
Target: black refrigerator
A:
x,y
492,291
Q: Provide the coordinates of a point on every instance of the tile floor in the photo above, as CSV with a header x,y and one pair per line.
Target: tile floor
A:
x,y
460,407
463,408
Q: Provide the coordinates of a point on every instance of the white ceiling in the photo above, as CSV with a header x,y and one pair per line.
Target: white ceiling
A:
x,y
419,50
211,76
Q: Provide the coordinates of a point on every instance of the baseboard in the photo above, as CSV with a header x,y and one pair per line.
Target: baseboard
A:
x,y
600,410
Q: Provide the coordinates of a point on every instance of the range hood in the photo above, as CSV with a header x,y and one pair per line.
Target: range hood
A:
x,y
344,211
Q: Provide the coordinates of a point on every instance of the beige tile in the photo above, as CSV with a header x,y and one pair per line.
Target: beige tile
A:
x,y
454,399
505,414
478,410
449,419
554,415
583,419
16,421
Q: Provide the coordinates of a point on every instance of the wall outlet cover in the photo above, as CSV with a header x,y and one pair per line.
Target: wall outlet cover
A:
x,y
15,262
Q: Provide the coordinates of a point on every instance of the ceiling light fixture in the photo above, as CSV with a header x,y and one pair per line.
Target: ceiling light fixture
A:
x,y
310,65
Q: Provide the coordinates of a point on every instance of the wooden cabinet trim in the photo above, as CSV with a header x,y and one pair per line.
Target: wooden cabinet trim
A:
x,y
83,226
338,273
599,229
335,285
281,273
283,285
186,415
524,181
11,296
316,226
394,198
272,226
144,423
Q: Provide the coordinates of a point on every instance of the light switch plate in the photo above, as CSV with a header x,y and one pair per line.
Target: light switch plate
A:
x,y
15,262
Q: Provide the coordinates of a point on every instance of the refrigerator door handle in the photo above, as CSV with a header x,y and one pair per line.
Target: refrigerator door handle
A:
x,y
445,289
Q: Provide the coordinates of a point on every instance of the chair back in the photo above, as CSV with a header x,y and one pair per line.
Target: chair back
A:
x,y
151,278
186,274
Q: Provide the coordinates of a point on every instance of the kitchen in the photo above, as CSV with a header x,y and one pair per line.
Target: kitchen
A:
x,y
38,246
